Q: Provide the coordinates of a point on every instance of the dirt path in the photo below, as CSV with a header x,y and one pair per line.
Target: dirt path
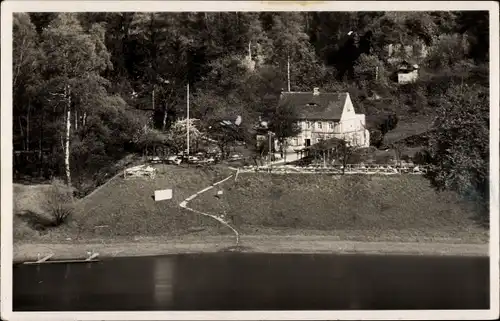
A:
x,y
220,219
250,243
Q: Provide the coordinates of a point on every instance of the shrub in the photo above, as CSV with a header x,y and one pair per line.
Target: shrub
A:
x,y
376,138
384,158
406,158
355,158
59,203
422,158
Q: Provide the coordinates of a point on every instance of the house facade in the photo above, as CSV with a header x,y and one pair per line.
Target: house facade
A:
x,y
323,116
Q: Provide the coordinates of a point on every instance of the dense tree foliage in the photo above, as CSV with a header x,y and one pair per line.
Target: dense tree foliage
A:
x,y
459,146
90,88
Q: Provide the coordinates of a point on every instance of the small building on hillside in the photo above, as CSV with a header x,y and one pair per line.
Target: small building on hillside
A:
x,y
322,116
407,72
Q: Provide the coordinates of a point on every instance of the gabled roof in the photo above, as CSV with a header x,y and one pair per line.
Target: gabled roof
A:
x,y
407,65
323,106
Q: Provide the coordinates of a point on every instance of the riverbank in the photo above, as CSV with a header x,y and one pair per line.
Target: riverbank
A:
x,y
273,214
251,243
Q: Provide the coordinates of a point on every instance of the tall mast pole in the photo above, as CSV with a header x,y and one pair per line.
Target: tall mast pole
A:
x,y
288,72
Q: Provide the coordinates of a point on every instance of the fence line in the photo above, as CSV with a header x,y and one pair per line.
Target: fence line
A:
x,y
337,169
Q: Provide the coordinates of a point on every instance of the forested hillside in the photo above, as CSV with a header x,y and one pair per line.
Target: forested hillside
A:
x,y
91,88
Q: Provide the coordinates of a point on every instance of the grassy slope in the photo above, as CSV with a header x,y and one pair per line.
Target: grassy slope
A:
x,y
391,208
408,127
127,208
355,207
28,199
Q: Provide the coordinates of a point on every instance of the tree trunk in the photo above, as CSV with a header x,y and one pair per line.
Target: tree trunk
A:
x,y
153,99
40,145
28,126
76,120
23,139
165,114
68,132
222,151
284,150
344,160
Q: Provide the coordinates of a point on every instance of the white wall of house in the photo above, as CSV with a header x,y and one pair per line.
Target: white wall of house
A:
x,y
354,126
351,126
404,78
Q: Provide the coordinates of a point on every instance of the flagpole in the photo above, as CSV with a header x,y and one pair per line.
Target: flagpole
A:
x,y
187,121
288,72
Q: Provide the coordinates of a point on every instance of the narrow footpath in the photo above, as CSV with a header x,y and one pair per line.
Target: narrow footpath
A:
x,y
220,219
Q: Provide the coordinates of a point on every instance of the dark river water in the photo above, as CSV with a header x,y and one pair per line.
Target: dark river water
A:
x,y
239,281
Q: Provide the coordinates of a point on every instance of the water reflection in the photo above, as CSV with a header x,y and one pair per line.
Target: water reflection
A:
x,y
238,281
163,282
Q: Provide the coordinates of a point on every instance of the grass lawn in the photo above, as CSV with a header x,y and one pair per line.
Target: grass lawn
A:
x,y
351,207
124,208
408,127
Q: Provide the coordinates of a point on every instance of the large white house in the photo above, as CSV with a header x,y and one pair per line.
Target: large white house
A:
x,y
324,116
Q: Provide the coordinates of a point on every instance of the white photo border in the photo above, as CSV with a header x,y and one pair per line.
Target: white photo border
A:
x,y
9,7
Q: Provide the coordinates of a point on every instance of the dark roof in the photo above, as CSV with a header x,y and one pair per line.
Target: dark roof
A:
x,y
408,65
323,106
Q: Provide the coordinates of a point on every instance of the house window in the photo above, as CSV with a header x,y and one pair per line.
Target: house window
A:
x,y
308,124
319,125
330,125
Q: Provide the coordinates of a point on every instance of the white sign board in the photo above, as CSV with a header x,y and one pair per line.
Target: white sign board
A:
x,y
165,194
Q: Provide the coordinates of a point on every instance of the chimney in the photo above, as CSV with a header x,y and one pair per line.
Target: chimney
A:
x,y
315,91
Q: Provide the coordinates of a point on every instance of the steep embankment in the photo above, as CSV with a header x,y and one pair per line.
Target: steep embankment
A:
x,y
127,208
28,205
397,208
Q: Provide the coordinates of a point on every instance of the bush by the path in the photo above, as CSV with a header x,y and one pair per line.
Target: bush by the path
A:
x,y
59,203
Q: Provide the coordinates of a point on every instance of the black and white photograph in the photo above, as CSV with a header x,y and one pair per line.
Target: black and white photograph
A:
x,y
249,160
